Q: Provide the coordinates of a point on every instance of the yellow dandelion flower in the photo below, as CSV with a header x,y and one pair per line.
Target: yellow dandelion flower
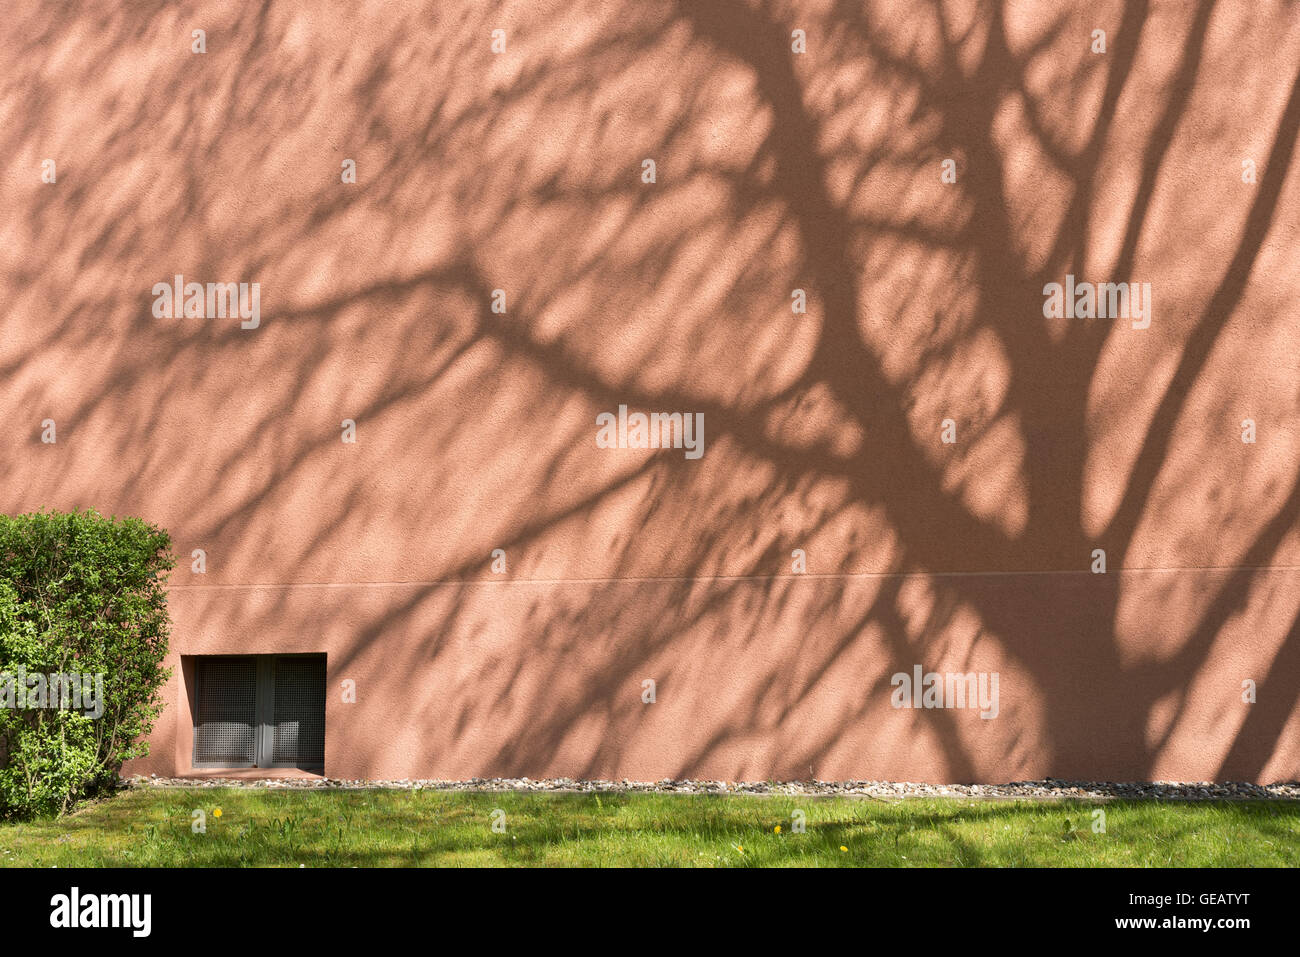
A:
x,y
843,848
216,812
777,829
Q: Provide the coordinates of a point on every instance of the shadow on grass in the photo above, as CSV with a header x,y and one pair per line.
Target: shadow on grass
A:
x,y
394,828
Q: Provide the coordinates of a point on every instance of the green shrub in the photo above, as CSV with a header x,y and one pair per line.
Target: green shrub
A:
x,y
80,595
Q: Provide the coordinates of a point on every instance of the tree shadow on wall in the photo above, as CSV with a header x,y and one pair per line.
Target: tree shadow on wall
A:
x,y
775,171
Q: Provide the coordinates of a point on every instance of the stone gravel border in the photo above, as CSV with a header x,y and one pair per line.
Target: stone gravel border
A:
x,y
1049,788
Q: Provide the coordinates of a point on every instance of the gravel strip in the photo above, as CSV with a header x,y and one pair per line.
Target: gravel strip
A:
x,y
1049,788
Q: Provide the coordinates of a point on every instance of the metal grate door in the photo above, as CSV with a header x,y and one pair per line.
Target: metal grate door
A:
x,y
299,716
260,711
225,733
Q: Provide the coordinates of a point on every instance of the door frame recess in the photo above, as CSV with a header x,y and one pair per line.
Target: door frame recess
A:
x,y
263,713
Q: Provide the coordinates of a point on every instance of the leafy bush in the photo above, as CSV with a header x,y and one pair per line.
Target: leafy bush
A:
x,y
80,594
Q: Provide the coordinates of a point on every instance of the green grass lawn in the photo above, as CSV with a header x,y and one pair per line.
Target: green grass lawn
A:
x,y
376,828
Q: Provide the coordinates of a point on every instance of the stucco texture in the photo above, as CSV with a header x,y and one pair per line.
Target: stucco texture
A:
x,y
775,171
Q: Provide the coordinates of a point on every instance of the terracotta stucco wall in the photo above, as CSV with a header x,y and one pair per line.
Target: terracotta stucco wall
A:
x,y
775,171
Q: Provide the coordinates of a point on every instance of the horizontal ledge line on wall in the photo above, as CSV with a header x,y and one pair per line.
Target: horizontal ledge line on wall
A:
x,y
740,578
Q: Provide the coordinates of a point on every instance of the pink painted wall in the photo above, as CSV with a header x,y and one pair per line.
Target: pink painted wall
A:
x,y
776,171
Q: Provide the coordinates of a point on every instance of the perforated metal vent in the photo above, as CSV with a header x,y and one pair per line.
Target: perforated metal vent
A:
x,y
226,731
260,711
299,723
